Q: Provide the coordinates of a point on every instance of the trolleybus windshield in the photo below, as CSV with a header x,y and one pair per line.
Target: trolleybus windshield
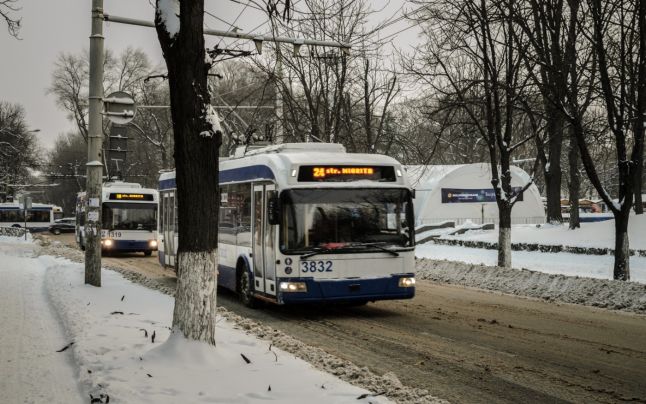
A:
x,y
344,219
129,216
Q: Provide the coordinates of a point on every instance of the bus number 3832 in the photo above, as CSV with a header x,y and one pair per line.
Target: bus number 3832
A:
x,y
316,266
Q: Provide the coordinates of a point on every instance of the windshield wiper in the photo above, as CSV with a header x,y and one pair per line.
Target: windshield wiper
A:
x,y
377,246
323,250
317,250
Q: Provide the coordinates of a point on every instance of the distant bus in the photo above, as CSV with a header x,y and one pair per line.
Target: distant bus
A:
x,y
39,217
307,222
128,216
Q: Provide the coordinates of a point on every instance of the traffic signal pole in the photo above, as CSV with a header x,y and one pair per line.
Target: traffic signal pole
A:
x,y
92,229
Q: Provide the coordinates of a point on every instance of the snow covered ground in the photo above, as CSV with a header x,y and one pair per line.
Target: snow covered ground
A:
x,y
596,234
122,347
31,371
592,266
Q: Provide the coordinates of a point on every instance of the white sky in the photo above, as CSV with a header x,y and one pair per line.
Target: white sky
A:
x,y
50,27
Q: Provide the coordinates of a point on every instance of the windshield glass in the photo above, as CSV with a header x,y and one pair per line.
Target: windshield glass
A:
x,y
343,218
129,216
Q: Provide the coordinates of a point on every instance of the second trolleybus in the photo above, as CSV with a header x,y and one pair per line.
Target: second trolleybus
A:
x,y
128,217
307,223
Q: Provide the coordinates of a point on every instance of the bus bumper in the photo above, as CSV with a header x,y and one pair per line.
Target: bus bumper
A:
x,y
347,290
128,245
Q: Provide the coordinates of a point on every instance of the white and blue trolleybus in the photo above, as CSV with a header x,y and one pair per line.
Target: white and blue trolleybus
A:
x,y
128,217
307,222
39,217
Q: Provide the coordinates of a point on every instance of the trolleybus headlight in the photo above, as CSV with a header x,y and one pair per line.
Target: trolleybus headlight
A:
x,y
152,243
406,282
293,287
107,243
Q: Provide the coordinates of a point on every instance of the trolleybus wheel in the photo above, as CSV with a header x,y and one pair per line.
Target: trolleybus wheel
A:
x,y
148,253
244,288
56,231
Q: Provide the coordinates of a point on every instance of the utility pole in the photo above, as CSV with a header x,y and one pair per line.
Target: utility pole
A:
x,y
94,155
279,132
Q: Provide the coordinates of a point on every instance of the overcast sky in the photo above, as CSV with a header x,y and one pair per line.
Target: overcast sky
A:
x,y
50,27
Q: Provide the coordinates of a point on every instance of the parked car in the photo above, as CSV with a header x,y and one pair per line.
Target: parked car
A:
x,y
64,225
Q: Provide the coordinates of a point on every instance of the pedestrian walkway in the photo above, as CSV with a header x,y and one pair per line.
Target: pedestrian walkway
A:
x,y
31,371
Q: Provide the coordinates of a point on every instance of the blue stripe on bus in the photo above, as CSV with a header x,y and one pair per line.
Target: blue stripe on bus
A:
x,y
227,277
128,245
348,290
249,173
257,172
167,184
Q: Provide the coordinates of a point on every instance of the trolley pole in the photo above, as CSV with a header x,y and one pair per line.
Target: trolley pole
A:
x,y
92,236
279,136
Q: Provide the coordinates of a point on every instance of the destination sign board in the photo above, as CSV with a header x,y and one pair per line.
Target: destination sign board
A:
x,y
130,197
345,173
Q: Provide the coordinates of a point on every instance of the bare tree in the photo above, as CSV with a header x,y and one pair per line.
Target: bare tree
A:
x,y
328,95
197,142
544,24
70,80
65,166
471,58
618,39
18,149
7,8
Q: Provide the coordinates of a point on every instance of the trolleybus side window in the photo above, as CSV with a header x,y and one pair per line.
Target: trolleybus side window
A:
x,y
40,216
13,215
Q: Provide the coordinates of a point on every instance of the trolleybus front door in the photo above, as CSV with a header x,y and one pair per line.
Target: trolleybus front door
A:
x,y
169,228
264,235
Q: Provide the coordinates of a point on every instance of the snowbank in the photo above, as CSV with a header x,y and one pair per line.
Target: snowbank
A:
x,y
616,295
112,331
594,235
12,234
592,266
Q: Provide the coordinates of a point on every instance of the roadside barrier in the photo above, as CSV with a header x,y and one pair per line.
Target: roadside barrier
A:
x,y
533,247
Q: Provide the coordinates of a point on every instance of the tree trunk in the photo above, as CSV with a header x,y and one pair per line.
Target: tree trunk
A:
x,y
575,181
197,146
639,181
638,151
552,170
622,251
504,237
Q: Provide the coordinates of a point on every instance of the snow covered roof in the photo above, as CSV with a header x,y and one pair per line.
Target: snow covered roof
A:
x,y
425,177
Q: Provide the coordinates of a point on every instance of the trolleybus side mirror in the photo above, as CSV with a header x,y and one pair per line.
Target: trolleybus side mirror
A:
x,y
273,210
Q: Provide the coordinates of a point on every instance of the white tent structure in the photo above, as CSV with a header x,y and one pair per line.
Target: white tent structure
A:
x,y
461,193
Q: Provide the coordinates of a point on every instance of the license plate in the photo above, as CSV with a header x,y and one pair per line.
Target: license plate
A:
x,y
316,266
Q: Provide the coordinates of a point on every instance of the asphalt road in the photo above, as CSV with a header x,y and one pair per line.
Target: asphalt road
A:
x,y
468,345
